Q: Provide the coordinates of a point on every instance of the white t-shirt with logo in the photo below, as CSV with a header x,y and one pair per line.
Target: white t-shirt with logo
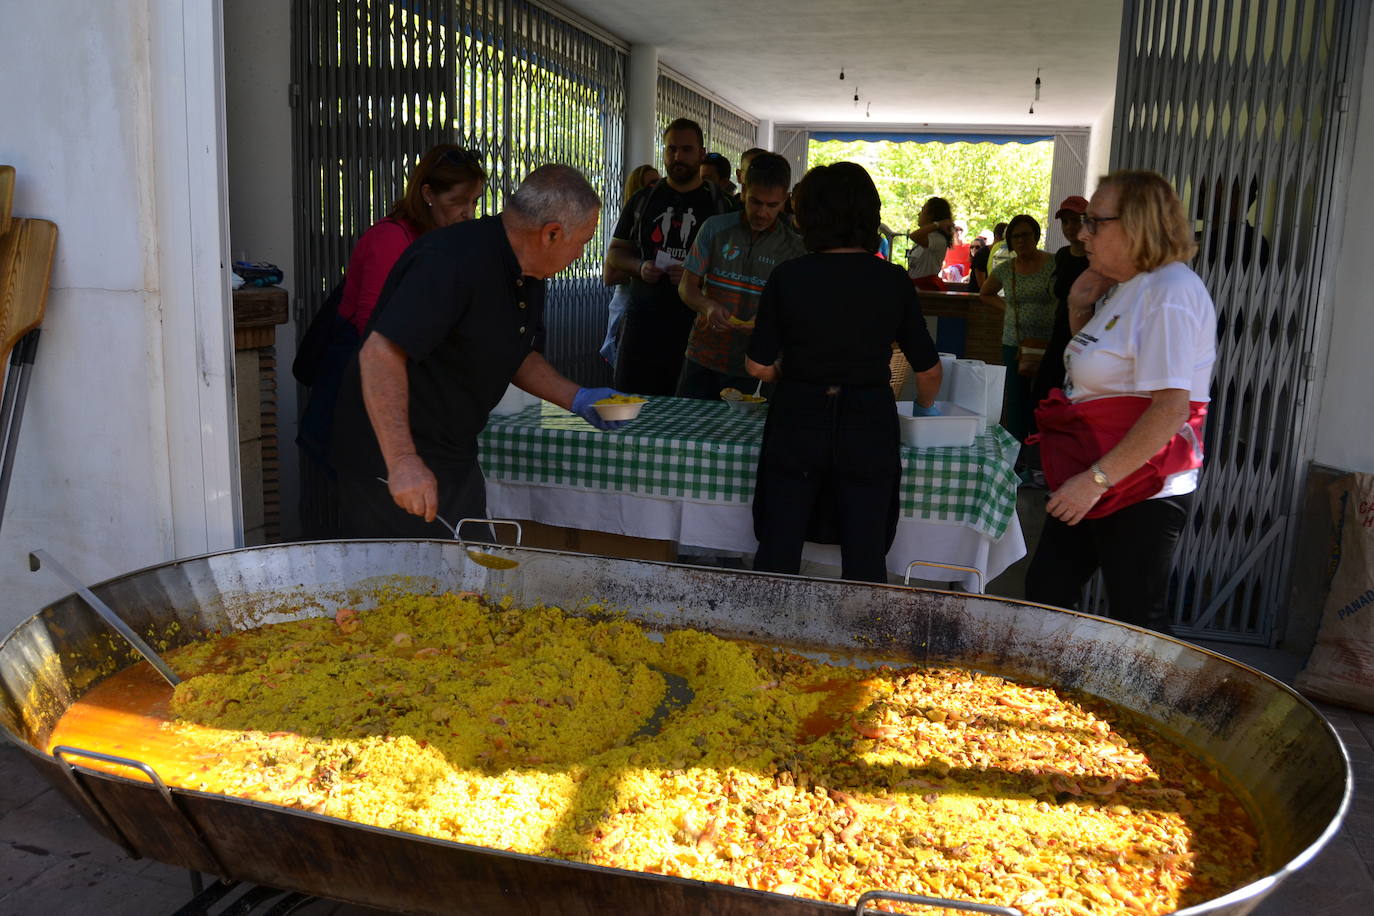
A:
x,y
1157,330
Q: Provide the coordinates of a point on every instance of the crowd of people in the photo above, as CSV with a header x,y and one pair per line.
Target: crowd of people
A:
x,y
754,282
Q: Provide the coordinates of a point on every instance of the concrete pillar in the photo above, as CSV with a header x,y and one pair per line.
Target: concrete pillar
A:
x,y
641,109
765,140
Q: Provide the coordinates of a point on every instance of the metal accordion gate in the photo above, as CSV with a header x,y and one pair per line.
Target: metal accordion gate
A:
x,y
1240,103
375,83
726,130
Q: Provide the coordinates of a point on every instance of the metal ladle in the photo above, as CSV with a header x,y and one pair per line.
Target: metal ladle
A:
x,y
480,557
40,558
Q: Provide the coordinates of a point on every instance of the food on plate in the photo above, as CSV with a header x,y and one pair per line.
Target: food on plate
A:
x,y
470,719
734,394
621,399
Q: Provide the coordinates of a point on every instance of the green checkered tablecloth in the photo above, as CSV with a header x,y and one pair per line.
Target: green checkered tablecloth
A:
x,y
705,451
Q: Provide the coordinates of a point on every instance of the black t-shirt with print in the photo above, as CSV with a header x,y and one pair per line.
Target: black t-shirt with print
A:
x,y
670,223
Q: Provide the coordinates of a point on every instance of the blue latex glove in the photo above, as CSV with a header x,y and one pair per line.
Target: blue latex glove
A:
x,y
918,411
582,406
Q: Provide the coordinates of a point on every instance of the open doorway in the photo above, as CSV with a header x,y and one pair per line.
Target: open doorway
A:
x,y
985,183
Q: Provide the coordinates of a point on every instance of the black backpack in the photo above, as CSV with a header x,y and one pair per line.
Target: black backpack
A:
x,y
324,329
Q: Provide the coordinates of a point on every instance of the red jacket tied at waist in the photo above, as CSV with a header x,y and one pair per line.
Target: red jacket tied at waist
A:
x,y
1073,436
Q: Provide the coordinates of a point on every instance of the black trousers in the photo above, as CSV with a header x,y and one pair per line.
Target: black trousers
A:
x,y
1018,409
366,509
828,461
1133,547
653,340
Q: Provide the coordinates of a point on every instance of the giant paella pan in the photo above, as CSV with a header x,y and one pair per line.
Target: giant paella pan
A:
x,y
1275,749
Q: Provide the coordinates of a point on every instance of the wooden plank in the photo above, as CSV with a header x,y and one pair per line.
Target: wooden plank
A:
x,y
6,196
259,306
26,257
983,333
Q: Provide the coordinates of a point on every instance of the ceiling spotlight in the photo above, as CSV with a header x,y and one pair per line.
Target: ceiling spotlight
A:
x,y
1032,108
1037,84
856,96
842,73
868,112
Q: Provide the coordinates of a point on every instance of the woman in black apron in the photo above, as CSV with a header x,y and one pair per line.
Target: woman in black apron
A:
x,y
830,466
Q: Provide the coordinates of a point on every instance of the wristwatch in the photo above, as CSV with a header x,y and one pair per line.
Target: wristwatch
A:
x,y
1100,476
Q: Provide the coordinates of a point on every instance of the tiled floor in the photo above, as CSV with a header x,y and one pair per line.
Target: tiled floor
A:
x,y
52,863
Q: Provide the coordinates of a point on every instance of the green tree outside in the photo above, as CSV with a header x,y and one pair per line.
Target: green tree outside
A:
x,y
985,183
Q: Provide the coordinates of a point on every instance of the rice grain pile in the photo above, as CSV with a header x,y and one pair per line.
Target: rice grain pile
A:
x,y
516,729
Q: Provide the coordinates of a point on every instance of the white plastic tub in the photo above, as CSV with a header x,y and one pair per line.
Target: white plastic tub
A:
x,y
955,426
513,401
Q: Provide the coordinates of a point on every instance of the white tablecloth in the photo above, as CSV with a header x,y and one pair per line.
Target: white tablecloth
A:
x,y
729,528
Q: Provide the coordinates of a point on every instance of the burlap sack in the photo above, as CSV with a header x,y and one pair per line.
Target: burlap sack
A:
x,y
1341,667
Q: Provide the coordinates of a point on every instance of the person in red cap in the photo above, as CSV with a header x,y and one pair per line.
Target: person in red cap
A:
x,y
1069,262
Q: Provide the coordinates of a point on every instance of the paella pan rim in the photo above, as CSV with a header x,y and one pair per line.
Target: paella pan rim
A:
x,y
1327,803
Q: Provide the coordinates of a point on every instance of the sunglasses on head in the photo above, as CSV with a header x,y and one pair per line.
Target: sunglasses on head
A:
x,y
462,157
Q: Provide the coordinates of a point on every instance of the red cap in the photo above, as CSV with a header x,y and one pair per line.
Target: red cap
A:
x,y
1072,205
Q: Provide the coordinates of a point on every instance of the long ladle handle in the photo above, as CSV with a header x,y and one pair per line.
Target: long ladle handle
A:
x,y
40,558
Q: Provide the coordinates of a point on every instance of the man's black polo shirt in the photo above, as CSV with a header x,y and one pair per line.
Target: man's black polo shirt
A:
x,y
458,305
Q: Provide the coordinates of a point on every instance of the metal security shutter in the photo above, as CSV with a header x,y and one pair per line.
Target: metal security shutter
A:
x,y
375,84
364,111
1068,176
728,130
1239,103
731,133
567,105
795,145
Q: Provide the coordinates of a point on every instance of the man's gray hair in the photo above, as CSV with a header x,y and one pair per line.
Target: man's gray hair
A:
x,y
554,194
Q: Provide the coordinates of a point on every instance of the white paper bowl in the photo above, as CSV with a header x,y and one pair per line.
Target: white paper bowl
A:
x,y
738,404
745,406
619,411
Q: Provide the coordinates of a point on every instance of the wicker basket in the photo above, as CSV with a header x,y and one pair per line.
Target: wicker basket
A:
x,y
901,371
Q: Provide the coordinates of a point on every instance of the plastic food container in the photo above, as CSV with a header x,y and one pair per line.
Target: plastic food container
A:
x,y
956,427
512,402
620,411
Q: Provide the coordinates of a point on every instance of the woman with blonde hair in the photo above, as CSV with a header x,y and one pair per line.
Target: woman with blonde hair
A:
x,y
1121,444
639,178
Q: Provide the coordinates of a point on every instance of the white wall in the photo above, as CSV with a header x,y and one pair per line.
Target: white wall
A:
x,y
1345,427
257,76
102,467
1099,148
